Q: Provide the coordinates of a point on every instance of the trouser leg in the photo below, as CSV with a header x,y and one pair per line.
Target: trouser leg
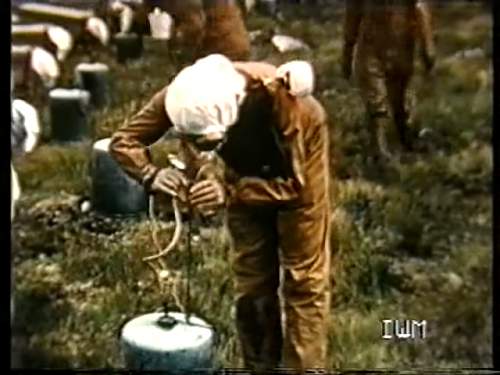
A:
x,y
256,268
372,83
305,258
401,103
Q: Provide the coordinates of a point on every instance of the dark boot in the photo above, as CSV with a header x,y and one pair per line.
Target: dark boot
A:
x,y
259,329
381,128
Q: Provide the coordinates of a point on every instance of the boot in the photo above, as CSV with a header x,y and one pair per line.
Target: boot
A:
x,y
259,329
381,127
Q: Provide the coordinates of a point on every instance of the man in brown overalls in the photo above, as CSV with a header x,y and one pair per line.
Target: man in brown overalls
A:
x,y
385,33
273,138
201,27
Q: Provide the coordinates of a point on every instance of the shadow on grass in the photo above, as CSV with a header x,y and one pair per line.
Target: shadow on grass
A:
x,y
35,315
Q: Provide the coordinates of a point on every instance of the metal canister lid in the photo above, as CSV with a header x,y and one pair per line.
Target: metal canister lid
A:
x,y
102,144
61,93
148,333
92,67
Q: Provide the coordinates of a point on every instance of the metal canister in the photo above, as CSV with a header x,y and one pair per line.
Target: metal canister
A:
x,y
69,115
170,342
128,46
94,77
113,191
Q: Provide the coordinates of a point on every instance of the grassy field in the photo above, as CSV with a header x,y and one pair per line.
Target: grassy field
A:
x,y
411,242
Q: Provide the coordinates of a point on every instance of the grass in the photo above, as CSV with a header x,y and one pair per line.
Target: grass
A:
x,y
412,242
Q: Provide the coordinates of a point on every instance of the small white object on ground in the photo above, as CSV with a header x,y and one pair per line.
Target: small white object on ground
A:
x,y
285,43
424,132
85,206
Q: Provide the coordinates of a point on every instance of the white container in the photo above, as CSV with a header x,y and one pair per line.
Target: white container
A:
x,y
167,342
161,24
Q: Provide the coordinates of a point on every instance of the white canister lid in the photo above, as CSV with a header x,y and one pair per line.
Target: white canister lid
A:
x,y
146,333
61,93
102,144
92,67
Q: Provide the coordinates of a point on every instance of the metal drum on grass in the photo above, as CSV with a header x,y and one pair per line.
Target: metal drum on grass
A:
x,y
168,342
128,46
113,191
94,77
69,115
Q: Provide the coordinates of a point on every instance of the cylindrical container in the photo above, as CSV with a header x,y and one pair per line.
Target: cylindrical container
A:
x,y
168,342
113,191
95,79
69,115
128,46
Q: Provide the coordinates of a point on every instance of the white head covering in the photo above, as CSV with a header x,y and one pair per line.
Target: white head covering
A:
x,y
205,97
31,123
98,28
62,39
45,65
299,75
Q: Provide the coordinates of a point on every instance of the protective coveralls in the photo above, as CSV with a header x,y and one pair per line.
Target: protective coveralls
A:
x,y
225,32
385,33
278,214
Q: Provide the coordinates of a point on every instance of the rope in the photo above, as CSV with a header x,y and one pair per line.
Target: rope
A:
x,y
167,283
190,258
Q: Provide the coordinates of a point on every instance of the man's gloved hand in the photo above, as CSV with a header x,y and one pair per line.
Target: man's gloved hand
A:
x,y
170,181
207,196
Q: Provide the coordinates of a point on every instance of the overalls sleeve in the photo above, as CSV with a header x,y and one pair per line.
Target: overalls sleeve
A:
x,y
129,144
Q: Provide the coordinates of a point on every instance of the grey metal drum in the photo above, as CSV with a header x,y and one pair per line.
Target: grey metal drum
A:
x,y
113,191
151,342
69,115
128,46
94,77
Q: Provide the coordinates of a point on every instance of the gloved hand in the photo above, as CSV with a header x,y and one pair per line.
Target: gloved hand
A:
x,y
170,181
298,77
207,196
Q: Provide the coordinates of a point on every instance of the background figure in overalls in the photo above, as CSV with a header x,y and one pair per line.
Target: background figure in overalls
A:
x,y
385,34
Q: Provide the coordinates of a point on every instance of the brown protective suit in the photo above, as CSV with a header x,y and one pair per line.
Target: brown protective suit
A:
x,y
200,27
278,214
225,32
385,33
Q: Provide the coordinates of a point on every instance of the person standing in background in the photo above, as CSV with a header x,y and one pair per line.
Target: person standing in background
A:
x,y
385,34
